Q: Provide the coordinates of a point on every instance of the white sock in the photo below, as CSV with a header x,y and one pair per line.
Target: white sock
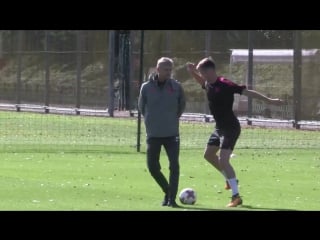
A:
x,y
234,186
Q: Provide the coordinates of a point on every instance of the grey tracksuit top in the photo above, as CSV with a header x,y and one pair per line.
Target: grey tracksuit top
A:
x,y
161,107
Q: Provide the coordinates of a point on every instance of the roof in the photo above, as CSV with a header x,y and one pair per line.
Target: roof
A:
x,y
273,55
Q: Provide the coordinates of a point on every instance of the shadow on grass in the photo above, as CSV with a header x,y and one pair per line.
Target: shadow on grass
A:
x,y
266,209
240,208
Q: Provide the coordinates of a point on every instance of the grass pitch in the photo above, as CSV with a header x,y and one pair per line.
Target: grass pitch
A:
x,y
51,162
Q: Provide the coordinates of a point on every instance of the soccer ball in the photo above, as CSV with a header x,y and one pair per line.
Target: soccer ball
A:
x,y
188,196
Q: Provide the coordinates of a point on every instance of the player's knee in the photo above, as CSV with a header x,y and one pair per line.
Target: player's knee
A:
x,y
174,168
207,156
175,172
225,163
154,170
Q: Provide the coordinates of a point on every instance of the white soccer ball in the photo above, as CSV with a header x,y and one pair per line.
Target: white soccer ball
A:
x,y
188,196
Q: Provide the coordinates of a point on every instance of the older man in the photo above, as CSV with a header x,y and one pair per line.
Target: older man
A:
x,y
162,102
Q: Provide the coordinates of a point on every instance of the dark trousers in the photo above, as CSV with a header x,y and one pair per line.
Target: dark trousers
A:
x,y
172,147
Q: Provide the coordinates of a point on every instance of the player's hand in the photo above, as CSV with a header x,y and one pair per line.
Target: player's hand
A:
x,y
276,101
191,67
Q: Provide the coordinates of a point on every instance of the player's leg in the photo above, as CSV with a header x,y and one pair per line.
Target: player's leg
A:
x,y
227,147
210,154
212,148
153,163
172,147
225,163
231,177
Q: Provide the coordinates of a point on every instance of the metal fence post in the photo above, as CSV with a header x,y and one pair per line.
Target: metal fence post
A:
x,y
47,72
168,43
132,82
124,55
250,73
19,70
111,72
139,85
297,60
79,63
208,39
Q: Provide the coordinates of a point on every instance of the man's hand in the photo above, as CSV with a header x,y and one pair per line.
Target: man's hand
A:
x,y
191,67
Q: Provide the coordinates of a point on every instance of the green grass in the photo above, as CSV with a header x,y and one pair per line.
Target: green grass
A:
x,y
51,162
119,180
34,132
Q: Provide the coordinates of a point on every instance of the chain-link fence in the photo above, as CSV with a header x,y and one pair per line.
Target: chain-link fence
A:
x,y
98,72
72,68
54,68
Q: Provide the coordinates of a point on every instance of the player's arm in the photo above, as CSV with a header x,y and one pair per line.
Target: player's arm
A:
x,y
141,101
182,102
260,96
195,74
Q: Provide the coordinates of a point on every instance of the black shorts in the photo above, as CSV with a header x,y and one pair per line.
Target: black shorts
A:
x,y
225,138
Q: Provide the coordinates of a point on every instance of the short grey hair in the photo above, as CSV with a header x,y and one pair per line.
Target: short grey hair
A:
x,y
164,60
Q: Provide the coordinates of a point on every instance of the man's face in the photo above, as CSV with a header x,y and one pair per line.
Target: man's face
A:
x,y
164,71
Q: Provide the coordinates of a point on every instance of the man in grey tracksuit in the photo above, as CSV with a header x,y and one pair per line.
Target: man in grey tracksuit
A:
x,y
162,102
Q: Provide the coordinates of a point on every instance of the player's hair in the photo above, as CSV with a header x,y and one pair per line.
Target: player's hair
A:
x,y
206,63
164,60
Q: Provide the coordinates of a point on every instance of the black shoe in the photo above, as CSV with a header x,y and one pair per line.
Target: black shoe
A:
x,y
173,204
165,201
